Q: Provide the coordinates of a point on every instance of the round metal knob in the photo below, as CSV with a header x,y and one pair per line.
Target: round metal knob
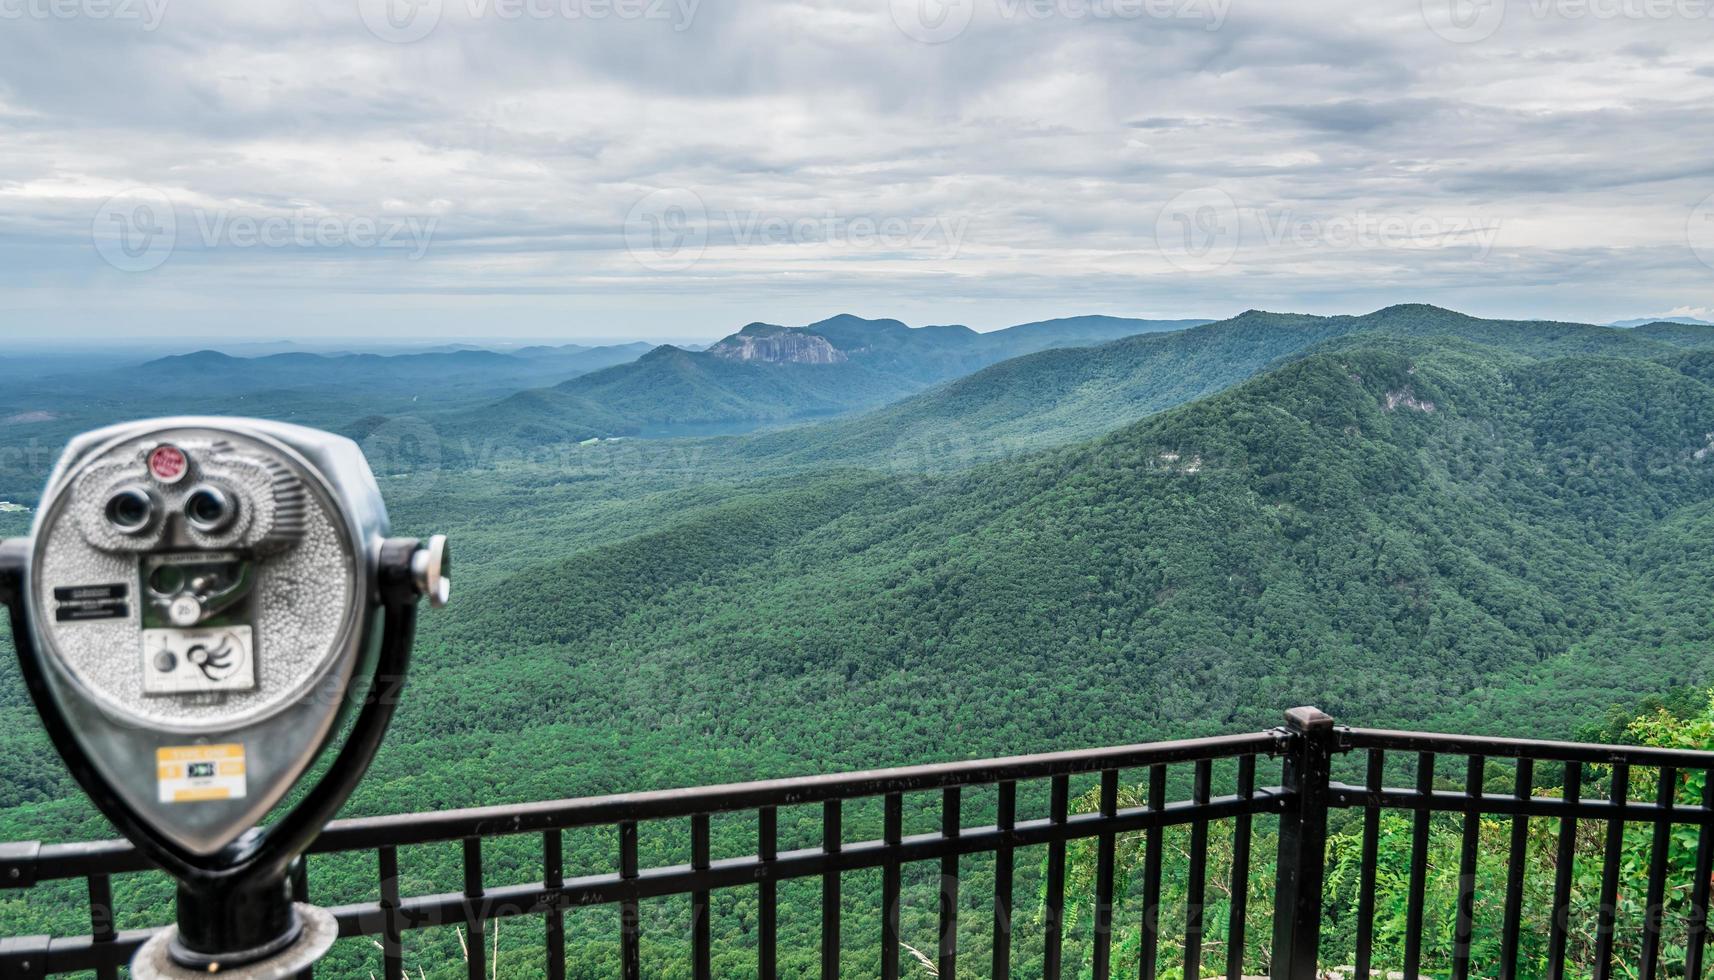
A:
x,y
431,568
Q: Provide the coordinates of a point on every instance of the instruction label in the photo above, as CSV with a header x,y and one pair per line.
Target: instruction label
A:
x,y
198,661
80,603
197,773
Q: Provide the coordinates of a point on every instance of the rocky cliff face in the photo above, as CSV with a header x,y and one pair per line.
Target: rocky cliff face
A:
x,y
778,345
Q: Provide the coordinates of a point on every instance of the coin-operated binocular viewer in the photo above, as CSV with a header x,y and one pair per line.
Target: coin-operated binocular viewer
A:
x,y
206,607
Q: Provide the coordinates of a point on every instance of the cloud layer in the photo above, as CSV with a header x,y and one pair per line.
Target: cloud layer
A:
x,y
674,168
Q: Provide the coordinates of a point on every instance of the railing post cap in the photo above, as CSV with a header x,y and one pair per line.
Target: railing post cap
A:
x,y
1308,719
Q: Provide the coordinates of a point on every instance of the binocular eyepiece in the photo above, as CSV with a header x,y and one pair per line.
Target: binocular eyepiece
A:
x,y
201,604
207,508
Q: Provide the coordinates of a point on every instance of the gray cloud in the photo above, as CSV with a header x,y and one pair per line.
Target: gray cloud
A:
x,y
674,174
1354,116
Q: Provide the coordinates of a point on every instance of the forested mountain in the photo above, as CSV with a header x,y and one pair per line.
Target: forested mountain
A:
x,y
1394,531
210,373
1056,397
767,374
45,400
1651,320
1408,518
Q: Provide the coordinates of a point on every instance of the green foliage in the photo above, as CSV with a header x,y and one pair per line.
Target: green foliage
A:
x,y
1442,876
678,392
1062,396
649,614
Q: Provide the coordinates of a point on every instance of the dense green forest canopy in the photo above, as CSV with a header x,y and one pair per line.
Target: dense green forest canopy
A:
x,y
1062,396
1411,518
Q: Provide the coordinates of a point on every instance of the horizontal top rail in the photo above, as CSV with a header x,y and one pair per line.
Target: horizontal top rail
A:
x,y
1297,905
107,857
1519,748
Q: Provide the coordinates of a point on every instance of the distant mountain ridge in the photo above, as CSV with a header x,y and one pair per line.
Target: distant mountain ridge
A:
x,y
1648,320
767,374
1059,396
312,368
44,401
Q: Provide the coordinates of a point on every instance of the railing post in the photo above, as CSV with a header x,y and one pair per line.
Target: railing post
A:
x,y
1303,844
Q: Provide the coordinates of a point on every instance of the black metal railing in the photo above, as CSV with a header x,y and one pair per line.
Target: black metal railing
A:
x,y
1036,804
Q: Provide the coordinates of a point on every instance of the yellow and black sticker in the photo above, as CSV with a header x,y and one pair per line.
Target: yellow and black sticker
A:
x,y
196,773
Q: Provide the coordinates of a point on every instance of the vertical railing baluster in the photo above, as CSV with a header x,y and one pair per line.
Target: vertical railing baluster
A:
x,y
1302,866
1366,874
1053,945
1465,913
553,879
1197,874
699,904
1418,865
767,926
1559,928
101,919
299,875
392,956
1653,908
1149,953
630,915
892,832
1005,818
768,895
1104,845
476,950
1307,745
951,824
832,840
1606,915
1241,832
1699,882
1512,922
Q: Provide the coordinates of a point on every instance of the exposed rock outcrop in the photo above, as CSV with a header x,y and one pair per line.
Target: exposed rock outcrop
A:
x,y
778,345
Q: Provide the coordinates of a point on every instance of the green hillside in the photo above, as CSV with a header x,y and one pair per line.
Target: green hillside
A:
x,y
1292,540
1508,529
839,365
1407,528
1062,396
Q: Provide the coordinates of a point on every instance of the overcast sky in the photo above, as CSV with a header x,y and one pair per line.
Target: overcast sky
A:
x,y
672,169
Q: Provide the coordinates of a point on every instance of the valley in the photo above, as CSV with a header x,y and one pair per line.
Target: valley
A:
x,y
1409,518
